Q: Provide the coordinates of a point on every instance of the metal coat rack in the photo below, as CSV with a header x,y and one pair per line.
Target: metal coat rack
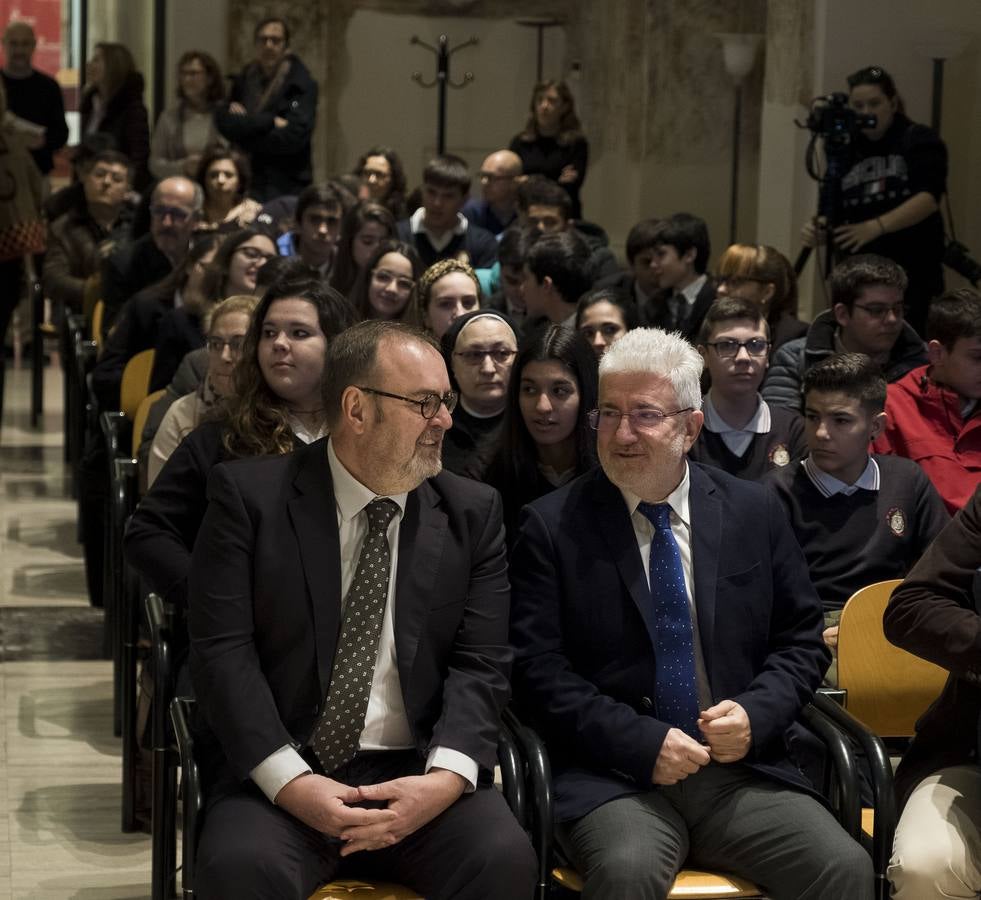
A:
x,y
442,80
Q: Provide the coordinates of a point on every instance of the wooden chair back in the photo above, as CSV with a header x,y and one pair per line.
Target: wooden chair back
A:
x,y
139,421
98,317
136,382
887,688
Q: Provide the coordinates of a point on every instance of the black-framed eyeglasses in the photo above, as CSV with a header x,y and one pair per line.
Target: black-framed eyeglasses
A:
x,y
179,216
218,345
499,356
730,349
428,405
880,311
254,253
640,419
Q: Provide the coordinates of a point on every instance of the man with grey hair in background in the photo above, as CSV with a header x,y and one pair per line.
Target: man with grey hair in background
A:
x,y
666,638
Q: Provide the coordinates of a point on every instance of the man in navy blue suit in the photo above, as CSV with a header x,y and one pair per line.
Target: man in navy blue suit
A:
x,y
666,638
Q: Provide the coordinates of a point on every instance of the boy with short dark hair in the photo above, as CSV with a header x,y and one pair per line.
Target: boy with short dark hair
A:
x,y
678,266
438,229
858,518
934,414
556,275
742,434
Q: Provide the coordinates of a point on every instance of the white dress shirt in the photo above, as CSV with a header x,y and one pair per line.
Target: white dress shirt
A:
x,y
681,530
386,725
737,439
439,241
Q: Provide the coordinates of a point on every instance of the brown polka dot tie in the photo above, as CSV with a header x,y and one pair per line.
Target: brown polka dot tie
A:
x,y
335,737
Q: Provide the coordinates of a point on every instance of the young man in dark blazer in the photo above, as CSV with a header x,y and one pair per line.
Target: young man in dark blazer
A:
x,y
348,620
666,666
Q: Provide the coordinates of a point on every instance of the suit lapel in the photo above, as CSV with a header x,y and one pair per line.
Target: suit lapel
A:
x,y
618,532
422,535
706,531
313,513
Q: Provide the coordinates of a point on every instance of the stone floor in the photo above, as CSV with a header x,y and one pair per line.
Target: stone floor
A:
x,y
59,762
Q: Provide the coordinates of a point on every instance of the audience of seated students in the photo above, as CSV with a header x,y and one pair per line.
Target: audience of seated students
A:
x,y
444,292
438,229
764,275
317,217
232,272
603,315
227,328
933,412
639,279
556,275
552,143
858,518
866,316
363,228
382,179
544,207
546,440
503,284
275,406
175,205
385,288
226,177
479,349
666,638
934,613
34,100
112,103
80,238
270,114
742,433
186,130
497,207
679,260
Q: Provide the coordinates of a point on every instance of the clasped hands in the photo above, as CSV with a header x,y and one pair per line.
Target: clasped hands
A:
x,y
848,237
727,736
328,806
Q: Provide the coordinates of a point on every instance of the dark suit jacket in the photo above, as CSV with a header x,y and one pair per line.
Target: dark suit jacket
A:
x,y
657,314
265,608
584,639
933,614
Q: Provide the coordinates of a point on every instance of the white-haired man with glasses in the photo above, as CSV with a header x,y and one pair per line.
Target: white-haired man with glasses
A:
x,y
666,637
348,614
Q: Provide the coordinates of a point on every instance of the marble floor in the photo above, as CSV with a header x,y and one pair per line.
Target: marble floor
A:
x,y
59,761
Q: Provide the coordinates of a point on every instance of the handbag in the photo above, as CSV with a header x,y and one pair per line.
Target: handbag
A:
x,y
21,239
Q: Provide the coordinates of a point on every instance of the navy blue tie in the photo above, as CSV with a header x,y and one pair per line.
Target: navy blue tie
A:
x,y
675,691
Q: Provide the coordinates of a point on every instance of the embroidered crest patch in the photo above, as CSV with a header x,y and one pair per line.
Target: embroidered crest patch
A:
x,y
897,521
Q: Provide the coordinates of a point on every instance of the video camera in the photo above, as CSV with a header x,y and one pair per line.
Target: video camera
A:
x,y
833,119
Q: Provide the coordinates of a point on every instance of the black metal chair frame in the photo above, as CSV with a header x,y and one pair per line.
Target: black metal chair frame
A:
x,y
839,732
513,783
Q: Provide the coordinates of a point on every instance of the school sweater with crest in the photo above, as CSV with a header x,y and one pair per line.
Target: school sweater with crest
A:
x,y
783,444
852,540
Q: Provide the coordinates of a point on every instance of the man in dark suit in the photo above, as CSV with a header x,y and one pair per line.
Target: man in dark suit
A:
x,y
666,665
348,620
934,613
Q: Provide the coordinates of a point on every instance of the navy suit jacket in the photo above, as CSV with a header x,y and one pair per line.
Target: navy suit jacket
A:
x,y
583,631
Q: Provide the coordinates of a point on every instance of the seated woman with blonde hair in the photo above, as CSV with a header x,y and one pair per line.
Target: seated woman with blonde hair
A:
x,y
228,325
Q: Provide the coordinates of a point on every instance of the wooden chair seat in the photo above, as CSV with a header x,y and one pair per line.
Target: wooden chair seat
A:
x,y
868,820
691,884
364,890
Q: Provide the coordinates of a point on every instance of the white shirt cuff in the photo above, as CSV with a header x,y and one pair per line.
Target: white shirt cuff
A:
x,y
277,770
454,761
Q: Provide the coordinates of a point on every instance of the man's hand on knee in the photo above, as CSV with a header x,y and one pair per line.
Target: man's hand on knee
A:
x,y
413,801
727,731
680,757
323,804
